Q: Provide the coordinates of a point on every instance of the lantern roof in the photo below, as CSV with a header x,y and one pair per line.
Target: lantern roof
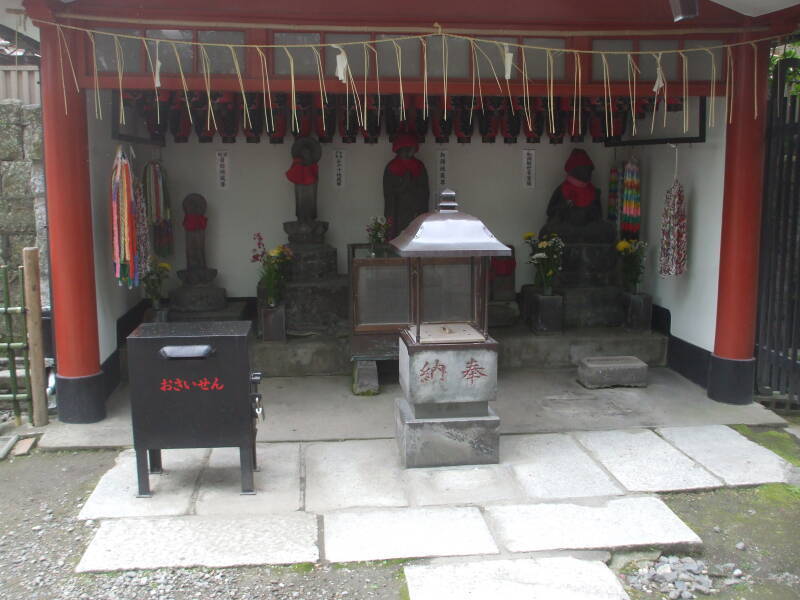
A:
x,y
448,232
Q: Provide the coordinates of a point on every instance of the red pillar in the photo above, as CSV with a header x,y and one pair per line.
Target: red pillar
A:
x,y
79,383
731,377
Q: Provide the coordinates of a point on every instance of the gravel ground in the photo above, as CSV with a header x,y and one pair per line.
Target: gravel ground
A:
x,y
41,541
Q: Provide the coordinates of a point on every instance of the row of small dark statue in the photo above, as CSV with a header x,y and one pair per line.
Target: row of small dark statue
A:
x,y
493,117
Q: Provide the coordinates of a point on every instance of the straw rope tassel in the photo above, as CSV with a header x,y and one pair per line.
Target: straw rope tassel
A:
x,y
120,70
729,82
366,74
685,73
98,108
526,104
633,69
153,67
377,75
755,80
63,40
712,90
575,98
267,93
246,122
323,93
398,54
445,67
424,81
606,93
295,122
183,82
502,52
206,64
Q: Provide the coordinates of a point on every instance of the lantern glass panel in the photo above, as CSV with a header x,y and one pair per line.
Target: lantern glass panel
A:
x,y
447,293
383,294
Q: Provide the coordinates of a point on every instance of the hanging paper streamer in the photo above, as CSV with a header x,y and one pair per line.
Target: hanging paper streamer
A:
x,y
159,218
631,217
672,257
123,221
613,193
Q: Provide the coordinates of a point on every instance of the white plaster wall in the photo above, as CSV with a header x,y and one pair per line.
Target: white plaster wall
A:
x,y
692,297
487,177
113,301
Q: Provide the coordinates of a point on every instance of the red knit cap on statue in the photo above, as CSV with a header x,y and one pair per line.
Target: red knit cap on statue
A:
x,y
405,140
578,158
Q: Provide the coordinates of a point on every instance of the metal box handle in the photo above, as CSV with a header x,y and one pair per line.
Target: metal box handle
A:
x,y
186,352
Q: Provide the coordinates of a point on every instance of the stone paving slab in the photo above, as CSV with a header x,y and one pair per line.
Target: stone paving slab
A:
x,y
643,462
463,485
728,455
521,579
277,482
115,494
406,533
192,541
554,466
618,523
352,474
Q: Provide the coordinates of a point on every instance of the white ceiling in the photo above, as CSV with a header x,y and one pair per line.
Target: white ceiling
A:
x,y
755,8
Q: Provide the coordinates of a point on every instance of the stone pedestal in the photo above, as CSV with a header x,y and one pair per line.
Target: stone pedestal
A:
x,y
444,418
197,292
638,309
272,323
587,265
546,313
316,296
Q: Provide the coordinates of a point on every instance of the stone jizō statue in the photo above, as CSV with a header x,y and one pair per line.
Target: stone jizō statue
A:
x,y
405,184
574,211
197,292
304,174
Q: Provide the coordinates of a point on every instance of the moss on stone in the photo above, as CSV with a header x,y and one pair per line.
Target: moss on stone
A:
x,y
779,494
781,443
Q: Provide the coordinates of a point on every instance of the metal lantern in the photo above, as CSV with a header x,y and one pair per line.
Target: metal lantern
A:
x,y
449,276
447,361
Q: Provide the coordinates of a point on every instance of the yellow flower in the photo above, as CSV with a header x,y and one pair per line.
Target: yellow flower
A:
x,y
623,246
527,236
542,244
276,251
550,273
165,265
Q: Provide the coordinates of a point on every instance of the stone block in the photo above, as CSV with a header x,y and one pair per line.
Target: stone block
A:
x,y
596,306
447,441
638,311
37,180
272,323
443,375
365,378
316,304
19,217
546,313
11,142
15,178
10,112
612,371
32,133
503,313
312,261
315,355
589,265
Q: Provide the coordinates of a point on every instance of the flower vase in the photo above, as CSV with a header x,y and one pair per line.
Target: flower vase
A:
x,y
547,289
638,309
160,313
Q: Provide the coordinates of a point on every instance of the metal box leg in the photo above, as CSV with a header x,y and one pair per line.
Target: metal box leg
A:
x,y
155,460
255,457
247,463
142,474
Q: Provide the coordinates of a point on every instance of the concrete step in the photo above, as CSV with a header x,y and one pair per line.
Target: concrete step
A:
x,y
298,356
521,348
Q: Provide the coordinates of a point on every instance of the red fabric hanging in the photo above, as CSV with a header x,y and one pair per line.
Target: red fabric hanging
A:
x,y
577,192
400,166
301,174
193,222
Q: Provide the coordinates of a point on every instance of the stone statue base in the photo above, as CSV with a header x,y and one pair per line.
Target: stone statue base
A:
x,y
592,232
306,232
312,262
197,298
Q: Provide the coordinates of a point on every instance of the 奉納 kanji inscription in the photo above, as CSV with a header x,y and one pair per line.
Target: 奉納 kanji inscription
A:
x,y
429,372
473,371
